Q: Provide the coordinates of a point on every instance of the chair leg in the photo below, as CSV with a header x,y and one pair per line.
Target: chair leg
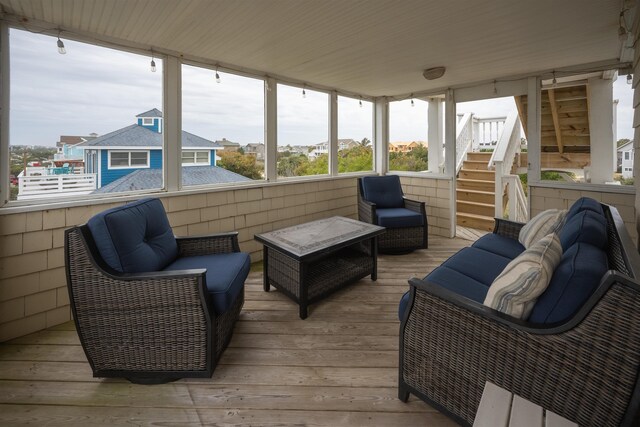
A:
x,y
403,393
151,381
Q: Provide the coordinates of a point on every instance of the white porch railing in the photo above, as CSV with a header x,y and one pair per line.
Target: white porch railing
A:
x,y
487,131
31,187
464,139
505,151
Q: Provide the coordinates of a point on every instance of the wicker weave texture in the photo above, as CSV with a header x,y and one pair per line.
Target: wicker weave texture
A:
x,y
508,228
224,324
207,245
320,277
586,374
146,325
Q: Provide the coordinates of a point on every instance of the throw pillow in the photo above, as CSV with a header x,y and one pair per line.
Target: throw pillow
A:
x,y
549,221
523,280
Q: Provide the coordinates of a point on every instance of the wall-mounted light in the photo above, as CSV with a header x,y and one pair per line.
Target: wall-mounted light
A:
x,y
218,80
629,78
412,103
360,102
153,63
304,92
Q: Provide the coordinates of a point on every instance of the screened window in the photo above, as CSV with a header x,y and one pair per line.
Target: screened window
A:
x,y
229,113
355,135
408,129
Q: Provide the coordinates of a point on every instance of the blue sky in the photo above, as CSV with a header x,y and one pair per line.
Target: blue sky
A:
x,y
100,90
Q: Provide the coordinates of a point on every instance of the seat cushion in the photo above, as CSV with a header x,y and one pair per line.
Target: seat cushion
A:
x,y
499,245
135,238
478,264
573,282
399,218
539,226
384,191
459,283
585,204
225,275
404,303
587,227
516,289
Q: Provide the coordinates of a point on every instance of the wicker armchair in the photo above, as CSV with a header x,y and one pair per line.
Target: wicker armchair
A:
x,y
585,369
397,239
151,327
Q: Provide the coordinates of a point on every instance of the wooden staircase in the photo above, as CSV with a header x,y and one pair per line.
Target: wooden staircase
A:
x,y
476,193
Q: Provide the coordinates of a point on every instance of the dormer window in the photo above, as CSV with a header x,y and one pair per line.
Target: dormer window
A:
x,y
147,121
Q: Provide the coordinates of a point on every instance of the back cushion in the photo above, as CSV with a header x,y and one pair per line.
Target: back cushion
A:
x,y
585,204
573,282
384,191
135,238
586,227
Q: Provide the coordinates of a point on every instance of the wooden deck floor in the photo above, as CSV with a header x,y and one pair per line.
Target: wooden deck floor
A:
x,y
336,368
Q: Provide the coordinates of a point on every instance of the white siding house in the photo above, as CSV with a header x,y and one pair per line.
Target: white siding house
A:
x,y
626,152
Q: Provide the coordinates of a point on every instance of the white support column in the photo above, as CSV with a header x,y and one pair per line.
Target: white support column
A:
x,y
435,136
601,129
4,113
172,122
381,135
533,130
270,129
333,133
450,154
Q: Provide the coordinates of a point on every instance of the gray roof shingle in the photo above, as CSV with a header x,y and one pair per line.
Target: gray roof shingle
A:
x,y
148,179
151,113
139,136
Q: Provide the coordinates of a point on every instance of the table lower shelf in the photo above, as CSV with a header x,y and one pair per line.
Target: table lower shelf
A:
x,y
309,282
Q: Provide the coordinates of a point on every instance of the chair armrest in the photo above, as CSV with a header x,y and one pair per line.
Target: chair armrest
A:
x,y
507,228
414,205
208,245
367,211
450,346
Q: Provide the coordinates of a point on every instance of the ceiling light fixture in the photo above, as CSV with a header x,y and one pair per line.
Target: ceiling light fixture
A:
x,y
61,49
304,92
153,63
218,80
412,103
360,102
434,73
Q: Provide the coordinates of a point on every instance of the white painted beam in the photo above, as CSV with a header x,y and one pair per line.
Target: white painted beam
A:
x,y
172,123
4,113
270,129
333,133
381,135
601,130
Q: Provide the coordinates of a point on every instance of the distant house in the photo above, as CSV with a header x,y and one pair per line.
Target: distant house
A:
x,y
323,147
228,145
626,153
68,146
255,149
405,147
138,147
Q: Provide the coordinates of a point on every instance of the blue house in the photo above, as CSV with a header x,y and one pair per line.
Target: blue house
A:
x,y
138,147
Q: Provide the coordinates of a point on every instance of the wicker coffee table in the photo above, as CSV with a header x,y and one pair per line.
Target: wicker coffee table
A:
x,y
307,262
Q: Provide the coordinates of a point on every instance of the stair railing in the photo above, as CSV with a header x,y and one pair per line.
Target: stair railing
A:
x,y
507,148
464,139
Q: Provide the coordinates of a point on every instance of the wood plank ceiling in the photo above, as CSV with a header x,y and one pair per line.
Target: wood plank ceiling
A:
x,y
372,48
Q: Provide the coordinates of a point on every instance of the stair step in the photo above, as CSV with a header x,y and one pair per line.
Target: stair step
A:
x,y
479,156
478,196
477,174
483,209
475,184
479,222
475,165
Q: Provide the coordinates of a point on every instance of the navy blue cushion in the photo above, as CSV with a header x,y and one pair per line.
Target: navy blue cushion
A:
x,y
135,238
225,275
404,303
584,204
573,282
384,191
399,217
586,226
478,264
499,245
458,283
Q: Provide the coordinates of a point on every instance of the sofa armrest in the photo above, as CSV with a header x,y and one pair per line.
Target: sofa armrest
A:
x,y
414,205
208,245
507,228
450,346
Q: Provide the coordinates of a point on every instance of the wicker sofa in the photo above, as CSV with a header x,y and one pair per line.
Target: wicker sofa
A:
x,y
150,307
578,354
